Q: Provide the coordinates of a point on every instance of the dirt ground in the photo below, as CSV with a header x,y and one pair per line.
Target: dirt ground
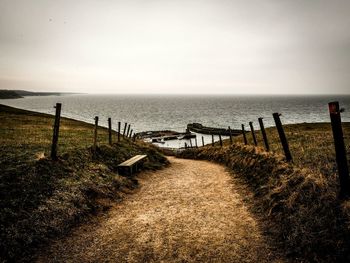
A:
x,y
191,211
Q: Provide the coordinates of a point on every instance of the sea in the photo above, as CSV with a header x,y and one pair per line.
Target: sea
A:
x,y
174,112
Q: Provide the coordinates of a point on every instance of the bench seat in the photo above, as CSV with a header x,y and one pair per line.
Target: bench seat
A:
x,y
131,164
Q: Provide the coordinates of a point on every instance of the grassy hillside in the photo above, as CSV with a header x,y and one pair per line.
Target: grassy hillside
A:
x,y
311,145
16,94
298,201
41,198
9,94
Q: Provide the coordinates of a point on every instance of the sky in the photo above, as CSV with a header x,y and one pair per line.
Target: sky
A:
x,y
176,46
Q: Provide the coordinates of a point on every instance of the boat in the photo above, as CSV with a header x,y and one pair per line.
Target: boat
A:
x,y
199,128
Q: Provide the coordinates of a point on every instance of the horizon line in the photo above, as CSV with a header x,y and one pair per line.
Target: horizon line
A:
x,y
185,94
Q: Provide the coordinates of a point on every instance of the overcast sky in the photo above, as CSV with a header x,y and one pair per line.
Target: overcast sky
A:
x,y
189,46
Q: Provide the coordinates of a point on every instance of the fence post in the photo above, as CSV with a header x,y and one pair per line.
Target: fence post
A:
x,y
130,133
229,129
191,142
126,124
253,133
202,141
110,131
212,140
276,117
263,132
95,133
220,140
340,152
195,139
185,145
119,131
56,129
244,135
127,133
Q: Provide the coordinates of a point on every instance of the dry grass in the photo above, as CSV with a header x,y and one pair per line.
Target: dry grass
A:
x,y
190,212
300,205
311,145
41,199
33,132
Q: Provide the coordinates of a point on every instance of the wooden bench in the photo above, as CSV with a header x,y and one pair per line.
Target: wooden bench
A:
x,y
131,164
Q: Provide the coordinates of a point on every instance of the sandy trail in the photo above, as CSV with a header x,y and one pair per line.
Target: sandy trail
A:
x,y
188,212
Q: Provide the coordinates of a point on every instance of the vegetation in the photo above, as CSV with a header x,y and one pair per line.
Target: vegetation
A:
x,y
16,94
9,94
299,201
41,198
311,145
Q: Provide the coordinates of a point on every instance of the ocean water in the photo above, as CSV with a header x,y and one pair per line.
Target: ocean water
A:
x,y
174,112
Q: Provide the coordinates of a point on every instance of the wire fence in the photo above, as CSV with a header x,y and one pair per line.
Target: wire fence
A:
x,y
323,147
310,145
24,133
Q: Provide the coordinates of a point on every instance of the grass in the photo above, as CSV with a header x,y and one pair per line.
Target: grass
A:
x,y
33,132
42,199
311,145
298,201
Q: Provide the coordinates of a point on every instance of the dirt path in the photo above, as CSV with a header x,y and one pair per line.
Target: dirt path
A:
x,y
189,212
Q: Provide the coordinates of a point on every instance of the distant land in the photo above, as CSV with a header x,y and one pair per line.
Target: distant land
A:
x,y
17,94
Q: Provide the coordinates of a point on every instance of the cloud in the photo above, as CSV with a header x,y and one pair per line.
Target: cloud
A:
x,y
184,46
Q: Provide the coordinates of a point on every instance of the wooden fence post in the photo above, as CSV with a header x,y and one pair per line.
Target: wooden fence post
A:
x,y
130,133
212,140
191,142
127,133
263,132
244,135
253,133
185,145
276,117
229,128
202,141
134,137
340,152
110,131
119,131
126,124
220,140
95,133
195,139
56,129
